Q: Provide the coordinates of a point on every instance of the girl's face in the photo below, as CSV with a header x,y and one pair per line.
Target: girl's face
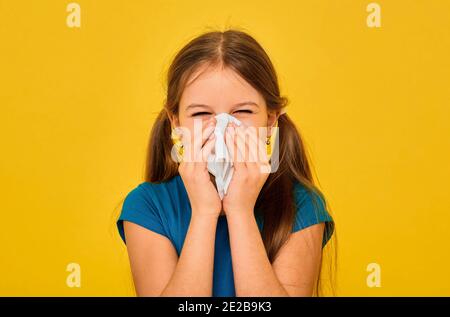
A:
x,y
218,90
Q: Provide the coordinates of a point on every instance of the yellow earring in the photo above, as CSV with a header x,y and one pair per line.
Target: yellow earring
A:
x,y
271,139
176,140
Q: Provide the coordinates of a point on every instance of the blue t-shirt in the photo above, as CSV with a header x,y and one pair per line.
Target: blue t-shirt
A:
x,y
164,208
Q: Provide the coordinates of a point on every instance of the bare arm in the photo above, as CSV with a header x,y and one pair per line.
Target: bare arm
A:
x,y
298,264
294,271
156,268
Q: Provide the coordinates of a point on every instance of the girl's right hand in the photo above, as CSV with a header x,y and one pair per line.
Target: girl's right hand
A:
x,y
203,196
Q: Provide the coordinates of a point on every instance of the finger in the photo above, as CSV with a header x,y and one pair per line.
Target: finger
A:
x,y
259,148
236,156
256,149
262,156
252,144
240,145
207,148
199,140
186,141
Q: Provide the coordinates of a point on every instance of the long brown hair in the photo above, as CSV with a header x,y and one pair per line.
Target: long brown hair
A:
x,y
243,54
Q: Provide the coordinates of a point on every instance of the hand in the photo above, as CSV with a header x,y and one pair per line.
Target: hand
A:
x,y
193,170
251,169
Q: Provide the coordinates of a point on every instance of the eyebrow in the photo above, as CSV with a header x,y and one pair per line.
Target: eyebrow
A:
x,y
251,103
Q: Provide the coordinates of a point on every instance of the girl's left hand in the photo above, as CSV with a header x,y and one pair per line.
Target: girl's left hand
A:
x,y
251,169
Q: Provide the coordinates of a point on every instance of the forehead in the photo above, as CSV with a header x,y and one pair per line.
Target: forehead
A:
x,y
213,85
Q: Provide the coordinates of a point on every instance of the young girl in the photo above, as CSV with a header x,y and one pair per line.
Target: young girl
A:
x,y
265,237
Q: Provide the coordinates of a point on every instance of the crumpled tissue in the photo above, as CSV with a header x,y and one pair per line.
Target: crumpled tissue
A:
x,y
219,162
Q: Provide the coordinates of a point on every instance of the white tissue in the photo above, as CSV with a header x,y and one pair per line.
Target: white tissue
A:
x,y
219,162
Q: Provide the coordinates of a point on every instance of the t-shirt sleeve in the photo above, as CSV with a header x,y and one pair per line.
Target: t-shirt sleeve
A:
x,y
310,210
139,209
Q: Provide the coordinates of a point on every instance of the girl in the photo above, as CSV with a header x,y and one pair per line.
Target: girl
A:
x,y
265,237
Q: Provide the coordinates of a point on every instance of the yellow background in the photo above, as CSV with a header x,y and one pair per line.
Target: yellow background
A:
x,y
77,106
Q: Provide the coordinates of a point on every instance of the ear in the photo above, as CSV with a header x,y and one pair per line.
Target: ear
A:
x,y
272,117
173,118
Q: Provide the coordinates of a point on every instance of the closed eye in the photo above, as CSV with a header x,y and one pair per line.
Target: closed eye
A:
x,y
200,113
208,113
